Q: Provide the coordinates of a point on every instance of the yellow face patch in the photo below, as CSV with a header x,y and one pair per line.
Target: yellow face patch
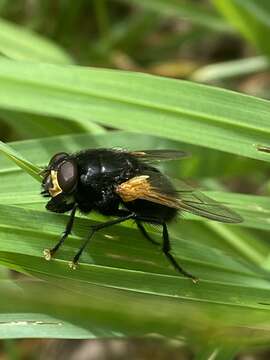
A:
x,y
55,190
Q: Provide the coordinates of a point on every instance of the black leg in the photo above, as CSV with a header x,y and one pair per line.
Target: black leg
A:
x,y
126,216
166,247
145,234
48,253
94,229
166,250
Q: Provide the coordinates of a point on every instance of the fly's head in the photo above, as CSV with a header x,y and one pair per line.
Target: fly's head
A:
x,y
60,179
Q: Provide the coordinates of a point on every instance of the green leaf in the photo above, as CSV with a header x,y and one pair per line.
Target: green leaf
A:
x,y
36,126
231,69
26,312
219,119
37,325
102,16
20,161
119,259
124,286
183,9
119,267
251,18
40,150
126,35
254,209
20,44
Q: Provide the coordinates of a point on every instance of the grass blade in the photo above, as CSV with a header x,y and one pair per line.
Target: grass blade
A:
x,y
231,69
219,119
30,168
182,9
20,44
251,18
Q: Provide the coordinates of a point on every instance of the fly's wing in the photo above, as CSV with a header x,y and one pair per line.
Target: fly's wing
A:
x,y
159,155
151,186
155,187
199,204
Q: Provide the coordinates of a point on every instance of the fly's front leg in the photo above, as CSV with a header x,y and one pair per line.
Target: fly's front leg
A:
x,y
49,253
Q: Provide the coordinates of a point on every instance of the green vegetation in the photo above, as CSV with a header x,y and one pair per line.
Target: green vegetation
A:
x,y
64,88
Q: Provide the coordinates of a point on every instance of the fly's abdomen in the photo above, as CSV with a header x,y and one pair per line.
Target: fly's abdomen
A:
x,y
152,210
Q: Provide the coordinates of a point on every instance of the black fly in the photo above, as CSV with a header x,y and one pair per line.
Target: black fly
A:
x,y
125,185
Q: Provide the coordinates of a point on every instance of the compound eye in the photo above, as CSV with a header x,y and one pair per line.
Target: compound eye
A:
x,y
57,158
47,183
67,176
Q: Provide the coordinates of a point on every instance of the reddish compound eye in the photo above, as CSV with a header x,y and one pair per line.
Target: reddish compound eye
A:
x,y
57,158
67,176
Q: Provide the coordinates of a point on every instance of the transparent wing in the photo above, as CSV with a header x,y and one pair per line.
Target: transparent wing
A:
x,y
197,203
153,186
159,155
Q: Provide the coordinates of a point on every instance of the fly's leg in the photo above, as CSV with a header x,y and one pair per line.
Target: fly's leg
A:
x,y
145,233
166,246
94,229
49,253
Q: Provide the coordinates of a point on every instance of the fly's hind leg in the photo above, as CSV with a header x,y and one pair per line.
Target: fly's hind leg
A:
x,y
166,246
145,233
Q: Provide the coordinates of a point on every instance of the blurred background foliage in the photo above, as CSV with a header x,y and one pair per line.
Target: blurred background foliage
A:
x,y
219,42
